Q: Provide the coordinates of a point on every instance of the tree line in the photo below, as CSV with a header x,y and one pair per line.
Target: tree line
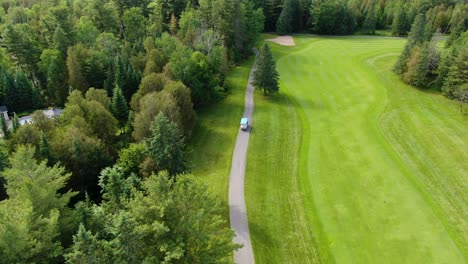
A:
x,y
341,17
107,180
49,48
424,63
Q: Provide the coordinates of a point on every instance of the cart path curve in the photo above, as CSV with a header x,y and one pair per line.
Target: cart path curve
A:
x,y
237,208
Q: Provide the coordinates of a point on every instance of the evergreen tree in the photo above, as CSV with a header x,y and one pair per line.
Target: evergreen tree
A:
x,y
15,123
416,38
456,31
116,187
3,125
19,94
370,22
434,53
417,33
57,81
166,145
75,58
118,106
417,67
86,249
173,24
455,82
400,23
284,25
130,120
35,212
61,41
44,148
266,76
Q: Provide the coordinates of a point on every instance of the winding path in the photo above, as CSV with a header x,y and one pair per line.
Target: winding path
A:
x,y
238,211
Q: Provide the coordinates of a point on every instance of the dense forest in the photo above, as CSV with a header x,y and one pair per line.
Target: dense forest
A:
x,y
106,181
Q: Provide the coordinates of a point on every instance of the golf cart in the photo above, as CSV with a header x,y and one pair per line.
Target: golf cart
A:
x,y
244,123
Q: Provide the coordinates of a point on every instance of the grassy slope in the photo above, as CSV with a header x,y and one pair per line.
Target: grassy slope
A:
x,y
210,150
380,172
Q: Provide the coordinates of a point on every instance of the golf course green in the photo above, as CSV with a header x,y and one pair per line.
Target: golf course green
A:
x,y
347,164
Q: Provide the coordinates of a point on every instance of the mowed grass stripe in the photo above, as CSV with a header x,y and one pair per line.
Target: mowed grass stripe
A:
x,y
354,120
434,150
362,200
213,139
278,197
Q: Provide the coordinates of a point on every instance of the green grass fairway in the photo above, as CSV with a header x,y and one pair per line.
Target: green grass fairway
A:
x,y
349,165
212,144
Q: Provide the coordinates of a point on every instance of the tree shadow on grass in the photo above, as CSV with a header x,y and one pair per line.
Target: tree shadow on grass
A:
x,y
268,243
286,100
196,149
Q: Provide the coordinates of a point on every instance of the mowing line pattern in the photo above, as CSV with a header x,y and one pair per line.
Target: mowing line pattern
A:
x,y
349,165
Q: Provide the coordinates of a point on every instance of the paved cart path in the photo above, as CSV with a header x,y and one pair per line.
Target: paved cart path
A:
x,y
238,212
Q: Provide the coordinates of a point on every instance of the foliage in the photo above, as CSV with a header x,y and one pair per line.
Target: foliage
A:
x,y
137,232
400,23
150,83
131,158
331,17
166,145
33,215
4,127
118,106
19,94
150,106
266,76
285,20
456,79
370,22
421,64
15,123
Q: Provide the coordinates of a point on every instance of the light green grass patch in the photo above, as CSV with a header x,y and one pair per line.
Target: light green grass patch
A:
x,y
213,139
348,164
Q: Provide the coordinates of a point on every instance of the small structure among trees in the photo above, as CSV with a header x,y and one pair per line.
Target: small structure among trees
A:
x,y
266,77
4,112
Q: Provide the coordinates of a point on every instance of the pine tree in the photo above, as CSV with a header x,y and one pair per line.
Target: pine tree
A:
x,y
3,125
19,95
86,248
173,24
166,145
44,148
369,24
118,105
417,33
417,73
455,32
400,23
434,53
15,123
266,76
33,183
456,70
56,81
61,41
416,38
130,119
285,20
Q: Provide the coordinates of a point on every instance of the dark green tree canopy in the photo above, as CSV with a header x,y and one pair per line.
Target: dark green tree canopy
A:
x,y
265,76
166,145
118,105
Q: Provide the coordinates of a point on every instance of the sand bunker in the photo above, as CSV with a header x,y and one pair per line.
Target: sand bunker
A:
x,y
283,40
